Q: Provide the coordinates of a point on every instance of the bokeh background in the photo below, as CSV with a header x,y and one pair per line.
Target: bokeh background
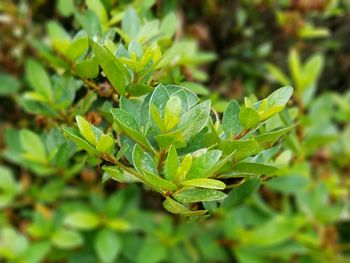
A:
x,y
62,212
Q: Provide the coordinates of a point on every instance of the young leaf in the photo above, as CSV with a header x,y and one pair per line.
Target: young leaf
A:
x,y
205,183
171,164
249,118
199,195
75,136
157,118
172,113
104,143
280,97
86,130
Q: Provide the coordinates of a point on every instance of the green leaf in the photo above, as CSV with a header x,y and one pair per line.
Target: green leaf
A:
x,y
241,192
97,7
120,175
157,118
87,69
8,84
114,70
203,165
280,97
193,121
86,130
230,121
144,165
254,168
171,164
83,220
172,112
33,146
38,78
241,148
75,136
8,187
128,125
278,75
295,67
272,233
78,47
104,143
131,23
67,239
249,118
107,245
59,38
175,207
169,25
269,138
175,138
65,7
199,195
312,70
205,183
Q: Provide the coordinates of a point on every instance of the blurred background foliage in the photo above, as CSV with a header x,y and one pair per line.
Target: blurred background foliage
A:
x,y
54,207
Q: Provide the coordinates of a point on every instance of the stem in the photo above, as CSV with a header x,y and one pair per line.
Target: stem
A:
x,y
239,136
161,160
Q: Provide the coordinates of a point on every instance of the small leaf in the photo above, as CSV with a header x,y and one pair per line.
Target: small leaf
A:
x,y
240,148
203,165
230,121
120,175
157,118
128,125
83,220
104,143
131,23
38,78
32,144
107,245
205,183
145,167
75,136
249,118
193,121
175,207
97,7
255,168
280,97
269,138
183,169
78,47
112,67
172,112
67,239
171,164
199,195
278,75
87,69
86,130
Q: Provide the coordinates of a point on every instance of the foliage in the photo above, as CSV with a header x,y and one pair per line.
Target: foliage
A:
x,y
116,150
